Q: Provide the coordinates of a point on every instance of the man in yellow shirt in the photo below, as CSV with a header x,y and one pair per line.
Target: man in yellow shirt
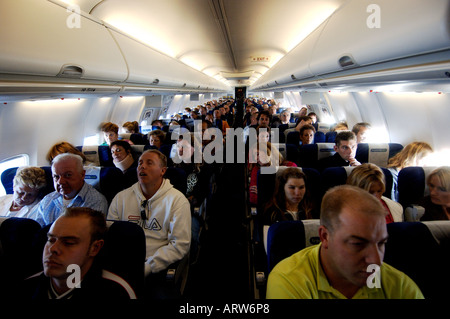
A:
x,y
353,235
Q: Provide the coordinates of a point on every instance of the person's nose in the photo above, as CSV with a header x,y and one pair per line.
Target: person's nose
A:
x,y
374,255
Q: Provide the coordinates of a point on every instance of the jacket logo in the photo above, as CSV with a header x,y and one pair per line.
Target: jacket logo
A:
x,y
153,225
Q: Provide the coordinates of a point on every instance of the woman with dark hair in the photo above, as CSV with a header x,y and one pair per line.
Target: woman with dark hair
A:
x,y
291,199
123,159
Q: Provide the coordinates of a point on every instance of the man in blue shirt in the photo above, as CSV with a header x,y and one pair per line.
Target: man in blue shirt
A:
x,y
70,190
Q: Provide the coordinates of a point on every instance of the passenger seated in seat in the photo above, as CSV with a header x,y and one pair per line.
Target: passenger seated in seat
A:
x,y
27,183
345,147
348,263
64,147
156,138
371,178
110,132
437,204
75,238
198,174
307,134
412,154
123,159
160,209
70,190
291,199
131,127
259,158
361,129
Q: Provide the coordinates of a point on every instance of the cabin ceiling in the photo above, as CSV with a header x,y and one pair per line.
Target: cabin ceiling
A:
x,y
234,41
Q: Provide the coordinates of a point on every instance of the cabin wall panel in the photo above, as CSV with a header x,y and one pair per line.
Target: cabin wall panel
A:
x,y
417,117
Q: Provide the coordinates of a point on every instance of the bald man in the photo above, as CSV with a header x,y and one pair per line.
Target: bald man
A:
x,y
353,235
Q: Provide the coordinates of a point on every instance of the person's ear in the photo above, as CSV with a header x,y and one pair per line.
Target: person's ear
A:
x,y
324,235
96,246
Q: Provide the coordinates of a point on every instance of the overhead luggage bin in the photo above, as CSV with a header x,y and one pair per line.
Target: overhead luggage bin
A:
x,y
44,39
380,31
150,67
366,42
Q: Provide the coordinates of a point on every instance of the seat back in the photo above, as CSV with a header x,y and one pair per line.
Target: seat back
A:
x,y
412,186
177,178
288,237
266,184
98,155
124,253
334,176
377,153
7,179
309,155
414,250
319,137
16,248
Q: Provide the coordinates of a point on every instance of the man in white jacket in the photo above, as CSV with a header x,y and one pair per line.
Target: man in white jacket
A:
x,y
160,209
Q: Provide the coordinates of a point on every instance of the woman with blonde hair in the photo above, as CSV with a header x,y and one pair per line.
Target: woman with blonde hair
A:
x,y
27,183
437,204
371,178
412,154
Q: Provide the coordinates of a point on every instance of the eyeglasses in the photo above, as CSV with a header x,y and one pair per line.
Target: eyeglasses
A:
x,y
143,213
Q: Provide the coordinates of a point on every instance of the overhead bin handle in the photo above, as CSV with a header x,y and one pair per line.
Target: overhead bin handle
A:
x,y
71,71
347,61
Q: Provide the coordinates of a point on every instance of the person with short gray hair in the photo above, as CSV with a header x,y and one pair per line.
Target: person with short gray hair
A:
x,y
70,190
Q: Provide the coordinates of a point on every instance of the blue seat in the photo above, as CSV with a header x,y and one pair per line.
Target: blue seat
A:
x,y
377,153
309,155
414,250
330,137
334,176
288,237
319,137
99,155
293,138
7,179
16,250
124,253
412,185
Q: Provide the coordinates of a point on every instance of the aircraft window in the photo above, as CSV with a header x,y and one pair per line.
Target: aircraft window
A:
x,y
91,140
15,161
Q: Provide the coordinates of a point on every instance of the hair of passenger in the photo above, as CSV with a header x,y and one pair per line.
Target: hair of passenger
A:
x,y
97,220
443,174
358,126
344,136
410,154
307,127
304,118
63,147
131,126
31,176
266,113
122,143
365,175
64,156
109,127
279,195
158,133
346,196
162,157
